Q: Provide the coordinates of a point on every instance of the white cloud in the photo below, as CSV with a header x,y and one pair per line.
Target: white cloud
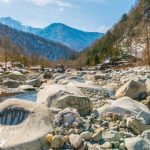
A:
x,y
63,4
61,9
41,2
96,1
6,1
103,29
60,3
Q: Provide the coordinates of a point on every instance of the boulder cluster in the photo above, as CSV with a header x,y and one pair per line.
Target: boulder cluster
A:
x,y
77,110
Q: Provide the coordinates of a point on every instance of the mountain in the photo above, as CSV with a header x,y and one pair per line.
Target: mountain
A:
x,y
129,37
35,45
58,32
15,24
73,38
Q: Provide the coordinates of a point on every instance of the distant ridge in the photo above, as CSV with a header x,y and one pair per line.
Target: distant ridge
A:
x,y
58,32
35,45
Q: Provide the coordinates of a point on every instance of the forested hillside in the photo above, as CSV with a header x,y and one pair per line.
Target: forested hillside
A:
x,y
31,45
130,36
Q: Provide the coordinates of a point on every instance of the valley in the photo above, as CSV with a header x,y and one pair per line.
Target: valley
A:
x,y
63,88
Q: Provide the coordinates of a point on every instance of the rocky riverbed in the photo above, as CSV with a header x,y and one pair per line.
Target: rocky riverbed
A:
x,y
82,110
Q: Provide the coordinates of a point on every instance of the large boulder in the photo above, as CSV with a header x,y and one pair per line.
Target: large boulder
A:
x,y
93,88
147,83
102,76
146,134
137,143
24,125
63,96
34,82
135,89
136,125
90,77
27,88
58,77
47,75
11,83
126,105
16,75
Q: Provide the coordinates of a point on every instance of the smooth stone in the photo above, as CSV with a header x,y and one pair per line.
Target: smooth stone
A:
x,y
57,142
137,143
86,135
126,105
27,88
11,83
67,116
75,140
24,125
135,89
97,136
16,75
63,96
122,146
106,146
146,134
112,135
34,82
137,126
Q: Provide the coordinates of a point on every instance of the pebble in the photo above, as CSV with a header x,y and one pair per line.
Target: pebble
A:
x,y
122,146
75,140
86,135
106,146
57,142
97,136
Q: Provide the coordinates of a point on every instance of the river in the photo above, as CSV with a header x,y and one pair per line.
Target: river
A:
x,y
29,96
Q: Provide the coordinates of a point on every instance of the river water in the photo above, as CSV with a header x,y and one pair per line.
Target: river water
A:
x,y
29,96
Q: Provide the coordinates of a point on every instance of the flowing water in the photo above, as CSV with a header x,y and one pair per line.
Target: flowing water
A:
x,y
29,96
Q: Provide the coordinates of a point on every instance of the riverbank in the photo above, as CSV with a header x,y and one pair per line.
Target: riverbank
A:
x,y
107,109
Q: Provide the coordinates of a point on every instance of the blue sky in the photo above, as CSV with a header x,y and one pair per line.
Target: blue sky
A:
x,y
87,15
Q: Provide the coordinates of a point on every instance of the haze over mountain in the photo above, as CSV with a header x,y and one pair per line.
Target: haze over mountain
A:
x,y
58,32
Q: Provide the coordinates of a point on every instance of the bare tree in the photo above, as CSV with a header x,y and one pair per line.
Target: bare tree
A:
x,y
146,22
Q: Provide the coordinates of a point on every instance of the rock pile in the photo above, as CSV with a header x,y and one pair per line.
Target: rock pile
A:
x,y
82,110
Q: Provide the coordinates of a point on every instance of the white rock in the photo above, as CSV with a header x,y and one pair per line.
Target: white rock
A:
x,y
57,142
34,82
16,75
126,105
112,135
137,143
27,128
146,134
106,145
134,88
27,88
86,135
63,96
75,140
67,116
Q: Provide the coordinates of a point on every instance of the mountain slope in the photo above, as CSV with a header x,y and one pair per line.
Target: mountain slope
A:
x,y
35,45
15,24
130,36
73,38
